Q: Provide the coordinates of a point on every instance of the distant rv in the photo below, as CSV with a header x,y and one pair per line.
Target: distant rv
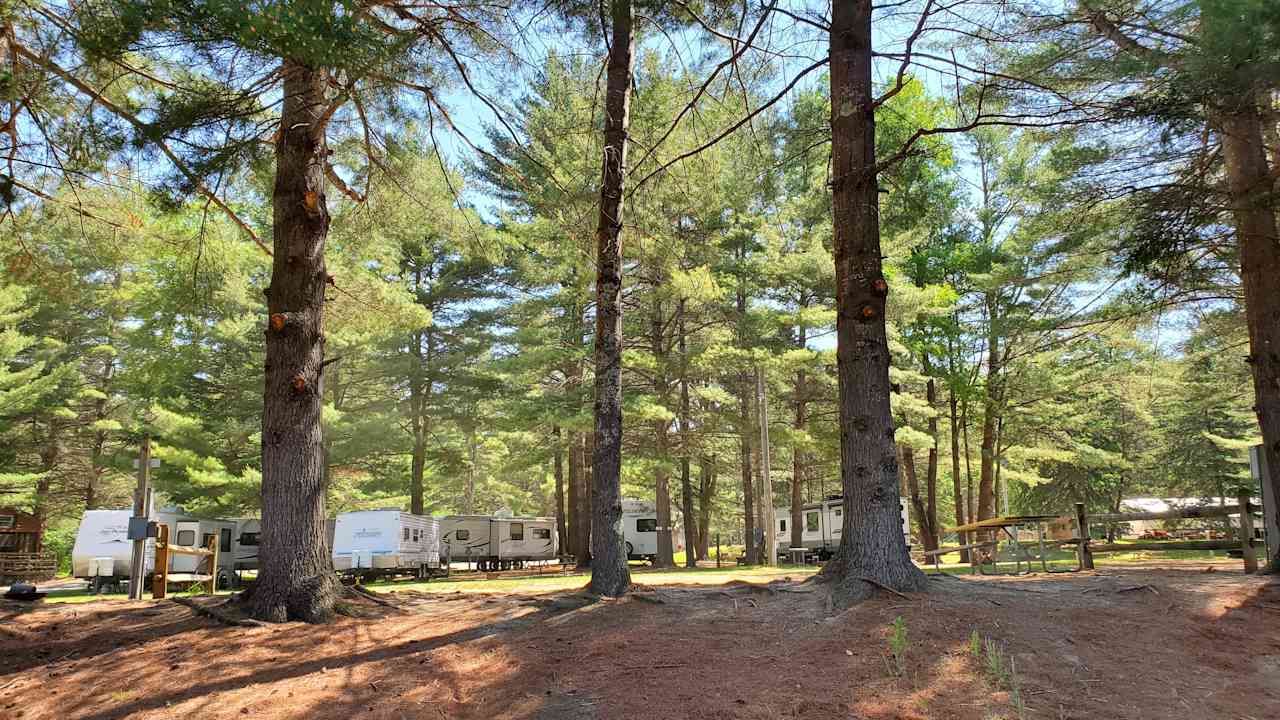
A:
x,y
103,553
823,523
498,542
386,543
640,530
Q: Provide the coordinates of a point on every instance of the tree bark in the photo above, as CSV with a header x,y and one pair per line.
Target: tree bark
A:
x,y
686,447
562,530
296,579
579,501
956,486
609,573
990,409
927,537
931,471
871,544
662,476
1254,212
748,479
706,493
798,460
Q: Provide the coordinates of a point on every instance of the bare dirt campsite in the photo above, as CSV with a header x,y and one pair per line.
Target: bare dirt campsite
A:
x,y
1175,639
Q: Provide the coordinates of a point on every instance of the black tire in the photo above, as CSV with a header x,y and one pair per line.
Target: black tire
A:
x,y
630,551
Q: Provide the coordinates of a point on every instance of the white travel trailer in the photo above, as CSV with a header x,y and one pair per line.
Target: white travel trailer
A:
x,y
103,552
498,542
370,543
640,530
823,522
247,538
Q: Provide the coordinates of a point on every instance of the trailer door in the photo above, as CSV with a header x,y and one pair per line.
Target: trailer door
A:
x,y
186,533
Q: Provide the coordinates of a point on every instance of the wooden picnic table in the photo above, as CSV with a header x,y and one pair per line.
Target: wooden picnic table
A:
x,y
1003,524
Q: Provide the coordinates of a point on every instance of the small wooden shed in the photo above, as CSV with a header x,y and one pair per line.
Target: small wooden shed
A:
x,y
21,557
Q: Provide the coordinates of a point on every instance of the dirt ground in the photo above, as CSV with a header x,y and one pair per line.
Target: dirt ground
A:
x,y
1151,641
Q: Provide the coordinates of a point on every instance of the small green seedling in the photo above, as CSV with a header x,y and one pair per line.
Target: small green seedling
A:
x,y
898,646
975,644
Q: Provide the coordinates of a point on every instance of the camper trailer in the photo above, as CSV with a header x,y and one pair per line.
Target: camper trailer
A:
x,y
103,552
498,542
386,543
823,522
247,539
640,530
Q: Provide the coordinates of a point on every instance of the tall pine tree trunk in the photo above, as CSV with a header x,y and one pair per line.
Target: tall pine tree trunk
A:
x,y
706,494
931,471
686,447
1254,211
296,579
562,530
662,477
579,501
609,573
956,486
798,461
871,543
748,480
990,409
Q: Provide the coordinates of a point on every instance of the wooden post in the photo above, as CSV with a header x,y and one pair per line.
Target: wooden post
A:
x,y
160,576
717,549
213,562
141,508
1246,535
1083,552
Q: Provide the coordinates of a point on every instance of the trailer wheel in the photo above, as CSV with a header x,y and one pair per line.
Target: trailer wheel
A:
x,y
630,551
221,581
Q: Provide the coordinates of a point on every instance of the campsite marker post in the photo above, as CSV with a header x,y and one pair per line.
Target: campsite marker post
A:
x,y
141,509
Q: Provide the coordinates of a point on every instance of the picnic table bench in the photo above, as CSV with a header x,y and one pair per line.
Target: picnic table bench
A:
x,y
985,553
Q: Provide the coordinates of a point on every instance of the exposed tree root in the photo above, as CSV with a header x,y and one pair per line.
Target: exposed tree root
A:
x,y
213,611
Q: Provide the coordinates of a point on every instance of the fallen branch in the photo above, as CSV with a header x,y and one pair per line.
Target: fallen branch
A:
x,y
1138,587
371,595
882,586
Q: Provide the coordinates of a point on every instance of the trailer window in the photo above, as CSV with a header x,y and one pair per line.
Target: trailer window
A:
x,y
6,521
204,539
517,531
647,525
406,534
811,521
224,540
782,525
187,538
248,538
463,534
541,534
417,535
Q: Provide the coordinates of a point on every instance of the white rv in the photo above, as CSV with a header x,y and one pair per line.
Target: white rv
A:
x,y
370,543
498,542
103,552
640,530
247,539
823,522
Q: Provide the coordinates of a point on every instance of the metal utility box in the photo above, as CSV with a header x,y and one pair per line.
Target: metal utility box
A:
x,y
141,528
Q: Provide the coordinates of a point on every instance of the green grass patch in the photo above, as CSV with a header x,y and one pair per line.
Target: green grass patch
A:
x,y
560,583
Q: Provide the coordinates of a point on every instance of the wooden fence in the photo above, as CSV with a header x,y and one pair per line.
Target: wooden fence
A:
x,y
28,566
1244,540
164,550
